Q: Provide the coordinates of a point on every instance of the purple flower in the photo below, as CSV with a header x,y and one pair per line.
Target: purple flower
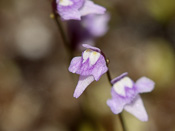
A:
x,y
86,30
125,95
74,9
90,66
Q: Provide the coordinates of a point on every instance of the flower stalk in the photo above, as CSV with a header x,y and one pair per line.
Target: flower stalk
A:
x,y
66,42
109,80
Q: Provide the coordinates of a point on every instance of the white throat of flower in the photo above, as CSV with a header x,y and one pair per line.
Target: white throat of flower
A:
x,y
65,2
119,86
92,55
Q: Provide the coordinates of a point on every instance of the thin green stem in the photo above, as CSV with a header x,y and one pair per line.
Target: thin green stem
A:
x,y
122,122
63,35
109,79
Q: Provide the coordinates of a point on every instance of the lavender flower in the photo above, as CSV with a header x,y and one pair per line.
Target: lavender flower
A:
x,y
74,9
86,30
125,95
90,66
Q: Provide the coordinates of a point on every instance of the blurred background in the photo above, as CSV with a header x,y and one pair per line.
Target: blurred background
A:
x,y
36,89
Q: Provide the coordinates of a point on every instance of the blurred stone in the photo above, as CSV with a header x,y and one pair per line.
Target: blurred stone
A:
x,y
33,38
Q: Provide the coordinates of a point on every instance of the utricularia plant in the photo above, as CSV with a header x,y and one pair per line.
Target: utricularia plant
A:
x,y
125,95
86,21
90,66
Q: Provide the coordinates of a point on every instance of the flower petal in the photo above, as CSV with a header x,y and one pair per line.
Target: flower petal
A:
x,y
119,87
119,78
144,84
99,68
93,58
91,8
116,103
85,69
86,54
97,25
65,2
83,82
68,14
75,64
70,11
91,47
137,109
